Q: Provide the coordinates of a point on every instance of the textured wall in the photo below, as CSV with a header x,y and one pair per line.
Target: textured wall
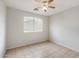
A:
x,y
64,28
16,35
2,28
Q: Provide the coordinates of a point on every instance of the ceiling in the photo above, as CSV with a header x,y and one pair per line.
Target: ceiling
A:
x,y
29,5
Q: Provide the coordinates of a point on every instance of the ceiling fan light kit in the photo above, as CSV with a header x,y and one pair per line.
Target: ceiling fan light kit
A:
x,y
44,5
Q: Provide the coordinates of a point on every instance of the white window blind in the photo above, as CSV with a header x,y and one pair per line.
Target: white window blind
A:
x,y
32,24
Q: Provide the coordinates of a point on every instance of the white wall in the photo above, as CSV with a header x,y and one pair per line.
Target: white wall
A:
x,y
64,28
16,36
2,28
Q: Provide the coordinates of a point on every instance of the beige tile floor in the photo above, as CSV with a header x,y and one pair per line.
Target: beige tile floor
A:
x,y
42,50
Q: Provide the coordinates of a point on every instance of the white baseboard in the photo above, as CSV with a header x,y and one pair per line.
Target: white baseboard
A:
x,y
66,45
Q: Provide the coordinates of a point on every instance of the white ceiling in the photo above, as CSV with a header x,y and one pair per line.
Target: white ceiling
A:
x,y
29,5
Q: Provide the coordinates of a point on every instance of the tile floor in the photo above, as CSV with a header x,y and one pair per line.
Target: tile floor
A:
x,y
42,50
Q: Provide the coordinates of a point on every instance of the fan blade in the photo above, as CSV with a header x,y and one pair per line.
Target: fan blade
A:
x,y
35,9
44,1
51,7
49,1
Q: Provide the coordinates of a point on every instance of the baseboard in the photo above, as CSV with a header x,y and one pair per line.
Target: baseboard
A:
x,y
65,45
29,44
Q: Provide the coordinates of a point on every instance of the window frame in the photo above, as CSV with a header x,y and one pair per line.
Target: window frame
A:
x,y
34,28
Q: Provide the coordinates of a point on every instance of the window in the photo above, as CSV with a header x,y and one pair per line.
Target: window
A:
x,y
32,24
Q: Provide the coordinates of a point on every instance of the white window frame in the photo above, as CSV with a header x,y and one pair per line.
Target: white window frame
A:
x,y
34,28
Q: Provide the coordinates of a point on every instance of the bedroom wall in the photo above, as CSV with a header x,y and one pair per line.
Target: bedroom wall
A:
x,y
16,36
64,28
2,28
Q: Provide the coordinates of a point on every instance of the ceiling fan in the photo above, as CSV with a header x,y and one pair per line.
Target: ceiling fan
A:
x,y
44,5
